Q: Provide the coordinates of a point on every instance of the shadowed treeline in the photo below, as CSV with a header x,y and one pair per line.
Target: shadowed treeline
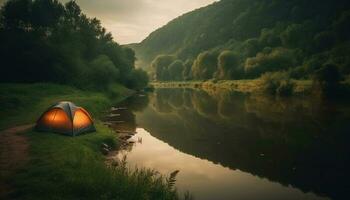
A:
x,y
293,141
46,41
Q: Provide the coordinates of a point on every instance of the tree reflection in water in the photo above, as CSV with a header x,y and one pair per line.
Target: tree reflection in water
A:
x,y
296,141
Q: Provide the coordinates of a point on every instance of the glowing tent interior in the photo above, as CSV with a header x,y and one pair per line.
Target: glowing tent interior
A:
x,y
65,118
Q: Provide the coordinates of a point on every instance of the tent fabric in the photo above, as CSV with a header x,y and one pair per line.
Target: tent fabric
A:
x,y
65,118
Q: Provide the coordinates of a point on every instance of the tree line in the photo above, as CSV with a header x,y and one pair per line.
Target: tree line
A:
x,y
46,41
237,39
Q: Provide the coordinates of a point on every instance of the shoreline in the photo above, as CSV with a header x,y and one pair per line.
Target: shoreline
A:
x,y
60,163
302,87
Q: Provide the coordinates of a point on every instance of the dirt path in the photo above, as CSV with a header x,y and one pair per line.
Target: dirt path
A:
x,y
13,155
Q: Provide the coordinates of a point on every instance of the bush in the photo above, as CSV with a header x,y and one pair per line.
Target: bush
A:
x,y
270,84
138,79
175,70
227,63
277,84
100,74
326,80
204,66
186,73
250,47
160,66
270,61
285,88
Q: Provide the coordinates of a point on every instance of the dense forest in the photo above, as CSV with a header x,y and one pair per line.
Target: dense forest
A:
x,y
46,41
245,39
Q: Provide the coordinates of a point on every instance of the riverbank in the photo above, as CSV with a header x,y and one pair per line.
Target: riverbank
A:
x,y
61,167
243,86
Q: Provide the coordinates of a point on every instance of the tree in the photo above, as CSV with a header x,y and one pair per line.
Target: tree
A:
x,y
186,73
326,80
269,61
324,40
342,25
268,37
138,79
101,73
227,64
250,47
204,66
160,66
60,44
175,70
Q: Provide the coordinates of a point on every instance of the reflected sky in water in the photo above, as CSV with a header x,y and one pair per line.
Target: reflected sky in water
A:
x,y
233,146
203,178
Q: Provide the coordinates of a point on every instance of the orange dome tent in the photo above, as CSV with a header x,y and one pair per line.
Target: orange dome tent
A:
x,y
65,118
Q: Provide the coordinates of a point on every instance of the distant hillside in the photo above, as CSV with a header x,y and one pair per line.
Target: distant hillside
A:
x,y
235,39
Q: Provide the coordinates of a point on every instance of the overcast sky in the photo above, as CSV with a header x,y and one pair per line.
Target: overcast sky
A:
x,y
132,21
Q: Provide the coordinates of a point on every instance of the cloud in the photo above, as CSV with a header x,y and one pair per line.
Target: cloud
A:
x,y
132,21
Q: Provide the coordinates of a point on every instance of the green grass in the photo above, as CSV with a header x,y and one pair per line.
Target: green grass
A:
x,y
73,168
62,167
24,103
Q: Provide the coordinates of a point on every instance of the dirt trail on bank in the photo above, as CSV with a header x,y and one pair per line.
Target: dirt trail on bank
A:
x,y
13,155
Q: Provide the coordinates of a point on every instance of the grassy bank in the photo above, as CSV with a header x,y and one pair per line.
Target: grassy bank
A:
x,y
244,86
23,103
63,167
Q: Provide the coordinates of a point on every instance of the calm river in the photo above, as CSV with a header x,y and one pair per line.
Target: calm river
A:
x,y
232,146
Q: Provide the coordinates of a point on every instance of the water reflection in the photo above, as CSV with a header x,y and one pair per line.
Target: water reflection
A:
x,y
299,143
205,179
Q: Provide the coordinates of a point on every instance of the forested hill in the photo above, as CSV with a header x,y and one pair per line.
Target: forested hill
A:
x,y
235,39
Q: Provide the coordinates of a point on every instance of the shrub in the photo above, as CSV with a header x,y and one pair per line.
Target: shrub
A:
x,y
160,66
227,63
270,84
326,80
100,74
277,84
270,61
175,70
204,66
186,73
138,79
285,88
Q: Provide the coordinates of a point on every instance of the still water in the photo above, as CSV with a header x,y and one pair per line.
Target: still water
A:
x,y
233,146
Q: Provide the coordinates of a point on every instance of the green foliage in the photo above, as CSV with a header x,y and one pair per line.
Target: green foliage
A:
x,y
45,41
270,38
285,88
204,66
342,25
266,36
269,60
227,65
296,35
250,47
100,74
277,83
160,66
324,40
78,171
74,168
138,79
175,70
187,72
326,80
24,103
